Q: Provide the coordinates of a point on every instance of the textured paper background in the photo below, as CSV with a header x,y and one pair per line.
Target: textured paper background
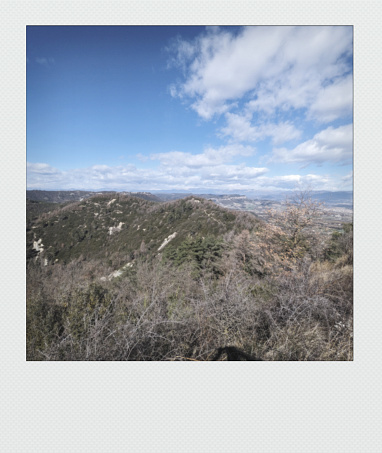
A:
x,y
193,407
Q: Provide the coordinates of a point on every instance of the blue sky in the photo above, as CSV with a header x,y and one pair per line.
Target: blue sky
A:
x,y
226,109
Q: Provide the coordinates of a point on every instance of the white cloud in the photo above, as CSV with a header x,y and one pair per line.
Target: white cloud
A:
x,y
330,145
333,101
239,128
181,51
275,67
329,182
175,177
290,182
210,157
142,157
42,169
224,178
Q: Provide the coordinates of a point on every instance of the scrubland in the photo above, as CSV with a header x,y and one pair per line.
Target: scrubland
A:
x,y
277,291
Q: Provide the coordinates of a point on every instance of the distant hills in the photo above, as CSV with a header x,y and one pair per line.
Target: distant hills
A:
x,y
334,198
341,198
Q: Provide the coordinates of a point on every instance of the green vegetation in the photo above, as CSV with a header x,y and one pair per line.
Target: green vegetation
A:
x,y
82,229
202,253
341,245
273,290
36,208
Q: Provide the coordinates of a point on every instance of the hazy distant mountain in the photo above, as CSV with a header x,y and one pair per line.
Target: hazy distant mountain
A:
x,y
62,196
334,198
173,196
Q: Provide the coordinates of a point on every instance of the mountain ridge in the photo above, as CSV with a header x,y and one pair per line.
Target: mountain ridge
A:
x,y
62,196
119,226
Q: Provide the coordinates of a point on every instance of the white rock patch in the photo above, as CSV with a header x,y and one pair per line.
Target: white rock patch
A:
x,y
38,245
117,273
117,229
167,240
111,201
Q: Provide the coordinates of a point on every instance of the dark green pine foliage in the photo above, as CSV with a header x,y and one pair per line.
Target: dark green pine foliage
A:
x,y
202,253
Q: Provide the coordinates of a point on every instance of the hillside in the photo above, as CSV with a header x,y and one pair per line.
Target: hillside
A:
x,y
117,227
34,209
116,277
58,196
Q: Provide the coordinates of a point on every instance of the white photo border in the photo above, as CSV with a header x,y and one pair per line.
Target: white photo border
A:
x,y
193,407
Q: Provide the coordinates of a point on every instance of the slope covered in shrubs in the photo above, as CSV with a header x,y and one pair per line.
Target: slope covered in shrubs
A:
x,y
273,290
117,227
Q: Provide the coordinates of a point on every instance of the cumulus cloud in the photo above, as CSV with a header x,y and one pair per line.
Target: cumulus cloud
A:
x,y
224,178
41,175
239,128
333,145
293,181
210,157
42,169
333,101
274,67
128,177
